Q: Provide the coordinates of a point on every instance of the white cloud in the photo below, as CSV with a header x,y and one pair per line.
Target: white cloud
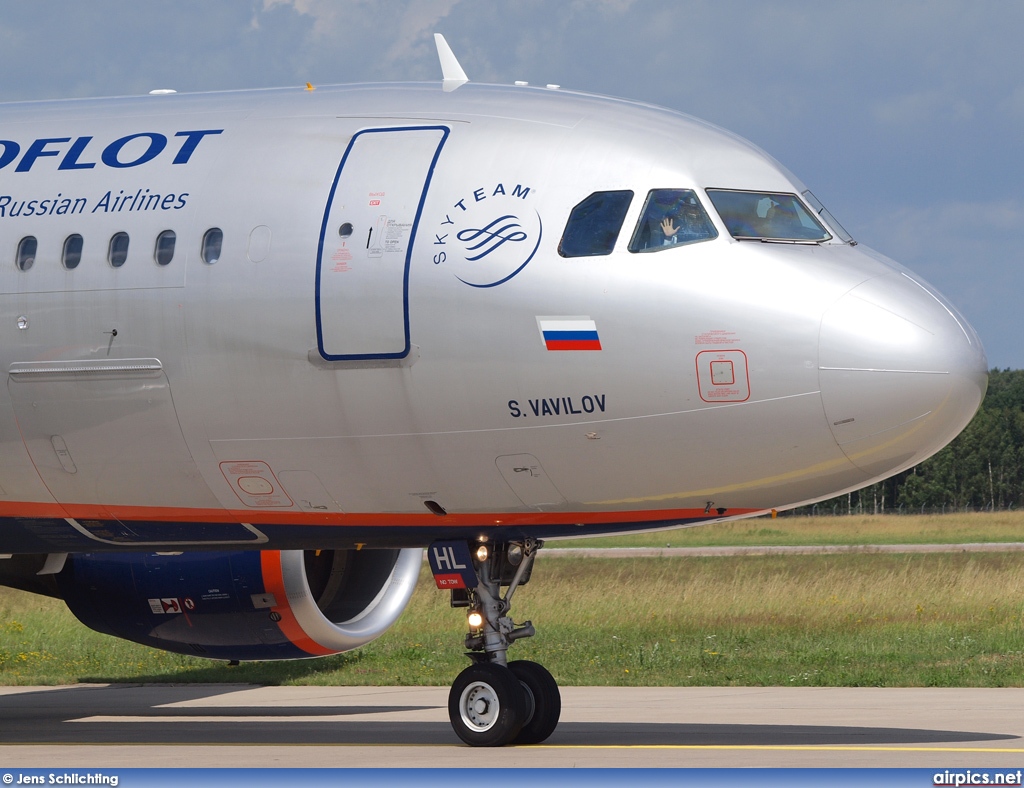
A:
x,y
416,25
389,40
325,13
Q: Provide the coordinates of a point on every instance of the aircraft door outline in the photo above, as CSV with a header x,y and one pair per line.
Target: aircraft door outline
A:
x,y
366,240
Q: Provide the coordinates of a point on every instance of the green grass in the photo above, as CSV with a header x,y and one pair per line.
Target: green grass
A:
x,y
845,530
838,620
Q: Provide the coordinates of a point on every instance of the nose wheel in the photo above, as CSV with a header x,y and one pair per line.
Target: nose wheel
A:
x,y
487,705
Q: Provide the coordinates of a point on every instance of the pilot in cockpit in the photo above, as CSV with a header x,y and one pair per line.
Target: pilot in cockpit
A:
x,y
686,224
784,221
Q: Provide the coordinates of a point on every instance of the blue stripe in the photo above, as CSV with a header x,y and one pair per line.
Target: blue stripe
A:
x,y
571,335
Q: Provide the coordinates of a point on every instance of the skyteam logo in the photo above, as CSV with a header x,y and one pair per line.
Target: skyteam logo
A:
x,y
489,236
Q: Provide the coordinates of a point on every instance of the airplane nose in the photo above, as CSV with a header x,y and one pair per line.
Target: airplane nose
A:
x,y
900,372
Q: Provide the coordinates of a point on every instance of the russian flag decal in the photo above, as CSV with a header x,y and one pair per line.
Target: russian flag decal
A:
x,y
569,333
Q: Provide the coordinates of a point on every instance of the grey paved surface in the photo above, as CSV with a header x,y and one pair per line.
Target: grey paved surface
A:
x,y
238,725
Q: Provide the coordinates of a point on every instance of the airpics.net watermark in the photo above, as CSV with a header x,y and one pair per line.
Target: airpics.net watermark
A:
x,y
960,777
62,778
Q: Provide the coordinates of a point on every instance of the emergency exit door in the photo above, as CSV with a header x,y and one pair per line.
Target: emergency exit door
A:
x,y
366,242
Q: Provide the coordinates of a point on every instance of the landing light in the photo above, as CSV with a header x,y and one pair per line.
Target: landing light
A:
x,y
475,620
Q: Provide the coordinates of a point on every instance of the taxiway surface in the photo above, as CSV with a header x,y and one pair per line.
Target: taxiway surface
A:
x,y
246,726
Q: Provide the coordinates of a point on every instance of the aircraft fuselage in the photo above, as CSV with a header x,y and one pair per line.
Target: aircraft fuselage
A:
x,y
365,331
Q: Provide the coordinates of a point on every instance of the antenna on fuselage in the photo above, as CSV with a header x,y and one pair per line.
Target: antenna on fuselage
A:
x,y
452,72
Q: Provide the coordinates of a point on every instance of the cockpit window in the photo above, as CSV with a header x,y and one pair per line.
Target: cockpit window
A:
x,y
594,224
770,216
671,217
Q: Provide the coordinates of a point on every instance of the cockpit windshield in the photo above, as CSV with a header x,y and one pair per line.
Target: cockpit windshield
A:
x,y
766,216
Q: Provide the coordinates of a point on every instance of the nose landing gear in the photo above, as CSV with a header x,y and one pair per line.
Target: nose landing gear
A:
x,y
495,702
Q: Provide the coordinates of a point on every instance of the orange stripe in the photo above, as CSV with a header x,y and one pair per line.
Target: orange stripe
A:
x,y
273,583
264,517
31,509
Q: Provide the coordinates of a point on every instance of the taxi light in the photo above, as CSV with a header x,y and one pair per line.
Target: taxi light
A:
x,y
475,620
482,552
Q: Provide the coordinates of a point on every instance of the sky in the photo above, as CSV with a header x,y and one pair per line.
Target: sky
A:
x,y
905,118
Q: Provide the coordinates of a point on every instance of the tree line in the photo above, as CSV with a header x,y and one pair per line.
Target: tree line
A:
x,y
982,469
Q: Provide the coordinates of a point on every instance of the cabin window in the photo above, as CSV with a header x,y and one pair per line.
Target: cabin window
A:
x,y
117,251
211,245
26,255
671,217
72,254
594,224
766,216
164,251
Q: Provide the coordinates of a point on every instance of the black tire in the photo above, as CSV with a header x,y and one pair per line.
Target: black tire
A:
x,y
545,699
486,705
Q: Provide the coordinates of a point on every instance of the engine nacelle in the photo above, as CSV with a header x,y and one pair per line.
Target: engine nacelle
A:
x,y
275,604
